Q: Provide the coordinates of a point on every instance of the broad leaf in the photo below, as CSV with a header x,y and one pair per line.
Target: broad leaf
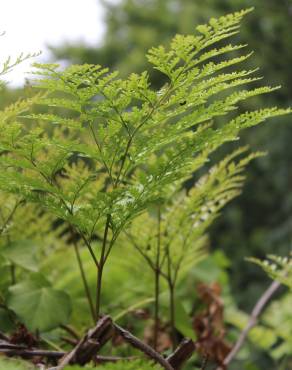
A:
x,y
39,307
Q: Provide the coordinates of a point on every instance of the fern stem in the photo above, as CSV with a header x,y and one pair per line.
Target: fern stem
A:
x,y
100,268
84,280
156,309
98,291
172,314
157,281
171,288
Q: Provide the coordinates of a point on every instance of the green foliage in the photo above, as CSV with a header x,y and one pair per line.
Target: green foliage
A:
x,y
172,240
260,218
279,318
50,307
14,365
109,157
278,268
26,238
134,122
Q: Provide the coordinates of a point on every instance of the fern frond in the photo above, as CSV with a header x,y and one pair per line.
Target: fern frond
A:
x,y
278,268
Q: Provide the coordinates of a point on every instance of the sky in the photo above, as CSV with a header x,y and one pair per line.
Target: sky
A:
x,y
30,25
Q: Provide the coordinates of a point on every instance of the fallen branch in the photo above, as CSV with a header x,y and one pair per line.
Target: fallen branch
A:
x,y
27,353
56,355
143,347
89,345
87,348
183,352
257,310
4,344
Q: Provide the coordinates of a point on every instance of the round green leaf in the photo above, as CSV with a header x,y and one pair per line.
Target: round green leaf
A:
x,y
39,307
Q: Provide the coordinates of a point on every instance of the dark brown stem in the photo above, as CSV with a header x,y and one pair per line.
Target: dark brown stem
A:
x,y
172,314
83,277
143,347
171,286
157,281
98,291
101,266
156,309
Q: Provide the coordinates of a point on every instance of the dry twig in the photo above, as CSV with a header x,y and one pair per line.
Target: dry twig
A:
x,y
257,310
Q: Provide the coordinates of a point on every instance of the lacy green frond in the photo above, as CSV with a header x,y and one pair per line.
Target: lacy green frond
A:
x,y
98,151
186,216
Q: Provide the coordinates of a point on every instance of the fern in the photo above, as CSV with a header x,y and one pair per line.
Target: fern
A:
x,y
173,240
278,268
129,141
9,64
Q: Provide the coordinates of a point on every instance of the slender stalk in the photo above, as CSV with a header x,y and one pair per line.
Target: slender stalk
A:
x,y
156,308
84,280
98,291
172,314
171,287
100,268
257,310
157,281
70,330
9,218
88,245
132,308
143,347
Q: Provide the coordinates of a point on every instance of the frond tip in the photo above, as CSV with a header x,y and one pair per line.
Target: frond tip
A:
x,y
278,268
